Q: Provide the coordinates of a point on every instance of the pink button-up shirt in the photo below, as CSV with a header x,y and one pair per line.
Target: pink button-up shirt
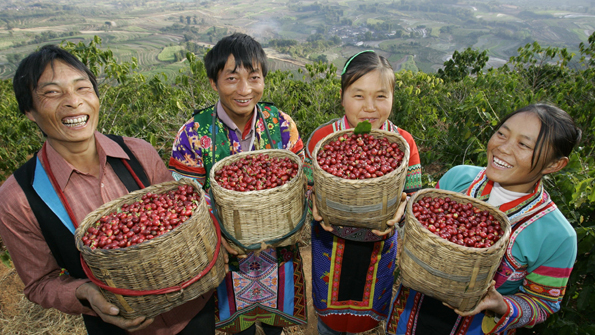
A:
x,y
30,253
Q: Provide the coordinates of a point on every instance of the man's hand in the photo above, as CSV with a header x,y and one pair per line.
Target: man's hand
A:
x,y
109,312
396,218
493,301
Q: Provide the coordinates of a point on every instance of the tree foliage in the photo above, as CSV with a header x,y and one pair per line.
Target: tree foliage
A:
x,y
451,115
463,64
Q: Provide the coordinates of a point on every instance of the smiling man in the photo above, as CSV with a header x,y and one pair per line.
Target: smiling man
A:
x,y
77,170
262,286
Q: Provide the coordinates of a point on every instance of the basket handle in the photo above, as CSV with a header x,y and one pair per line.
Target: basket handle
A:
x,y
136,293
256,246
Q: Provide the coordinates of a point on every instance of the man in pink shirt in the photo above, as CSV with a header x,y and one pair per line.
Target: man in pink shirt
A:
x,y
77,170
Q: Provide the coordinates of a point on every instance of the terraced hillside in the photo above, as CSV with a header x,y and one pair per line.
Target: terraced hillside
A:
x,y
414,35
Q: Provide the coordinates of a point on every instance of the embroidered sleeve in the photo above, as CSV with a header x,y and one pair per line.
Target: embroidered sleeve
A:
x,y
540,294
186,157
290,135
413,180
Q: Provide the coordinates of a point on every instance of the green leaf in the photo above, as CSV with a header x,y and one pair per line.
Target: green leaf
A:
x,y
592,196
363,127
5,258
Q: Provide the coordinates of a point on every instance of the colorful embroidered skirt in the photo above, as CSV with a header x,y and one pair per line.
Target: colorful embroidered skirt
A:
x,y
352,280
415,313
268,288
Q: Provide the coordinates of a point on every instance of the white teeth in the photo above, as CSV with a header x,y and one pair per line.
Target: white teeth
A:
x,y
79,121
243,101
502,163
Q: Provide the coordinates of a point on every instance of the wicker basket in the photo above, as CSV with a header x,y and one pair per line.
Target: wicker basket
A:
x,y
457,275
185,263
258,217
366,203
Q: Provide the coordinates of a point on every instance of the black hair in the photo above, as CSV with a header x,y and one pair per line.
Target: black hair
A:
x,y
32,67
558,133
363,63
245,50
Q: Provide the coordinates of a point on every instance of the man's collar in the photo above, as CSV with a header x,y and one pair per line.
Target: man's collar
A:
x,y
109,147
227,120
62,170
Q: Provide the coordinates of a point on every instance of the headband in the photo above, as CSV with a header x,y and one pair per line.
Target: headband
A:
x,y
352,57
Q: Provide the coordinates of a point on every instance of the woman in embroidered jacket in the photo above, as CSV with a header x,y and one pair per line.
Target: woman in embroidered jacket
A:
x,y
529,285
266,286
358,298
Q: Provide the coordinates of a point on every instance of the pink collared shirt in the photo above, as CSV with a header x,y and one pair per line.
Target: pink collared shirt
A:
x,y
30,253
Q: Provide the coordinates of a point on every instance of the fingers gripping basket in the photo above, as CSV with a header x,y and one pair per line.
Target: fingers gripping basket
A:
x,y
366,203
270,217
457,275
155,276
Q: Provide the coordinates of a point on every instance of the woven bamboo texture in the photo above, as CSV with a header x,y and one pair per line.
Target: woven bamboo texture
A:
x,y
165,261
457,275
366,203
257,216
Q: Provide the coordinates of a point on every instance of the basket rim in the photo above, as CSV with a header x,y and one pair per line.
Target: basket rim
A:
x,y
232,158
316,167
83,227
435,238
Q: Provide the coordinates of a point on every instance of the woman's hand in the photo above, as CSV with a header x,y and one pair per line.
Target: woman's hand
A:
x,y
316,216
398,215
493,301
107,311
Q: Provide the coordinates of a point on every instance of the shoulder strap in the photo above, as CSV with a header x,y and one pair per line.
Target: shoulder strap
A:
x,y
121,170
58,238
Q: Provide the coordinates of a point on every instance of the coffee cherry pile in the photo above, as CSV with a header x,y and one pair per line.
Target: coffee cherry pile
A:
x,y
462,224
359,157
256,172
152,216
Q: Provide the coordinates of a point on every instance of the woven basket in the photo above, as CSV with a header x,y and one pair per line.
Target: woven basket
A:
x,y
185,262
366,203
257,217
457,275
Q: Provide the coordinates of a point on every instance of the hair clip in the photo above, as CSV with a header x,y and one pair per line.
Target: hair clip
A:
x,y
352,57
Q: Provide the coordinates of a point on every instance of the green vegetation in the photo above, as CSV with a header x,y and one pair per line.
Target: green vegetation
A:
x,y
169,53
409,65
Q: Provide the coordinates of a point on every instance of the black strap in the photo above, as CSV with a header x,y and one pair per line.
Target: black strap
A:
x,y
121,170
52,228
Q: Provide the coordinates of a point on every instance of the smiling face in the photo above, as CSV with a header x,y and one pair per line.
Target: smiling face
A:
x,y
510,151
65,105
239,90
368,98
